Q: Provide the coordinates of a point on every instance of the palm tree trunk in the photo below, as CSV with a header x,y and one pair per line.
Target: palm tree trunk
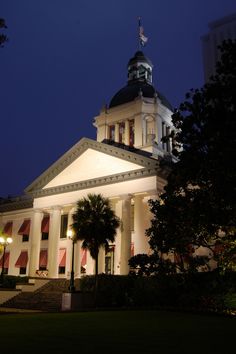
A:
x,y
96,280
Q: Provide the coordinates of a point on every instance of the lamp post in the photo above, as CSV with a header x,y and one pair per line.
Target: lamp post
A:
x,y
4,241
71,236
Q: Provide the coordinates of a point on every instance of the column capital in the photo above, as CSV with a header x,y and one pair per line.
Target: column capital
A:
x,y
127,196
37,211
72,209
56,207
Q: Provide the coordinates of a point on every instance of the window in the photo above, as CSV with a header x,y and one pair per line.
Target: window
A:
x,y
142,72
61,270
64,225
22,261
24,230
45,228
42,268
43,259
109,261
150,130
44,236
112,132
25,238
131,132
62,261
22,270
122,133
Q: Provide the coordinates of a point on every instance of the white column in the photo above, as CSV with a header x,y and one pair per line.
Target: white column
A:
x,y
125,235
69,244
53,242
117,132
159,131
90,267
77,259
77,253
127,132
117,207
101,260
35,238
140,224
138,129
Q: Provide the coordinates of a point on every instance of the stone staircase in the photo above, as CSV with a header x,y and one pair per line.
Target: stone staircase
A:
x,y
47,298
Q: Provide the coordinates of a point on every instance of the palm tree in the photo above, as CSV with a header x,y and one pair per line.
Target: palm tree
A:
x,y
95,223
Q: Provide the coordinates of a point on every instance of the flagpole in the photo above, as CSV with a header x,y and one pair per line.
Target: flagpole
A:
x,y
139,24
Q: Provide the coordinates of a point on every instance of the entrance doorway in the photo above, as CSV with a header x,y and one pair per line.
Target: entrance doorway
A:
x,y
109,260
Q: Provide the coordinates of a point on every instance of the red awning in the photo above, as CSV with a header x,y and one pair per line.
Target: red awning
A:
x,y
8,228
62,257
132,249
83,254
22,260
6,260
25,228
45,224
43,258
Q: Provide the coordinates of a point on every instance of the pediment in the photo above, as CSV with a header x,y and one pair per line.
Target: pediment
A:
x,y
90,160
89,165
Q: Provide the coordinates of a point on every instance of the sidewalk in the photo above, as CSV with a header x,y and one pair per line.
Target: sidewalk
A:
x,y
5,310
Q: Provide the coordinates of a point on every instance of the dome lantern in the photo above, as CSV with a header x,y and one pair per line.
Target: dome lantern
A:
x,y
140,69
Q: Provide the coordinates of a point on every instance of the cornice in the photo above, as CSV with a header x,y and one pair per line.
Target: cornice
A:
x,y
101,181
16,205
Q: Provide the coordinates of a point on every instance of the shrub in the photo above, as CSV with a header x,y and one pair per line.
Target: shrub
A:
x,y
198,291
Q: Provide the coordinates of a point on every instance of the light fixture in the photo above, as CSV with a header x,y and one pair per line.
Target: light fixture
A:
x,y
71,236
4,241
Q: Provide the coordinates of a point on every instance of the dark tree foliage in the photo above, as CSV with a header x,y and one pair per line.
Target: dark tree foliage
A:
x,y
3,37
95,223
154,264
198,205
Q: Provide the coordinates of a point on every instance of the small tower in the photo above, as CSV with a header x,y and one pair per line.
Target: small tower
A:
x,y
139,69
138,115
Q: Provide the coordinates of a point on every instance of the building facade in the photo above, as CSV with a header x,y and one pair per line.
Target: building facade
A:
x,y
128,163
219,30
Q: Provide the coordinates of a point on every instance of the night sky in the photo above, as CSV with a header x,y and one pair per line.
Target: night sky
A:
x,y
66,58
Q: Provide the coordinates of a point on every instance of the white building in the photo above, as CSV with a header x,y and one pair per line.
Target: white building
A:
x,y
125,164
222,29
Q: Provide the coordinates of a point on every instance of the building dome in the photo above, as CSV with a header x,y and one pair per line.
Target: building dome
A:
x,y
139,82
132,91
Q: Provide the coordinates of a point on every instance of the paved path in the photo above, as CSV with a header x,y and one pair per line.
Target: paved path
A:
x,y
4,310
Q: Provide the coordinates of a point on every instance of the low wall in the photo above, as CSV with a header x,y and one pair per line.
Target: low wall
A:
x,y
6,295
33,285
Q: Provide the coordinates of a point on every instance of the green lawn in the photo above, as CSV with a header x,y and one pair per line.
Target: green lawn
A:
x,y
117,332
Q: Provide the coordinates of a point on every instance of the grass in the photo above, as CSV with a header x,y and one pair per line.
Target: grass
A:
x,y
117,332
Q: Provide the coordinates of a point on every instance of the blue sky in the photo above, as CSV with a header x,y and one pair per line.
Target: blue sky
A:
x,y
66,58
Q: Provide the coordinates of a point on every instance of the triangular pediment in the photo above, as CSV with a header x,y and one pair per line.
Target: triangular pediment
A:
x,y
89,165
90,160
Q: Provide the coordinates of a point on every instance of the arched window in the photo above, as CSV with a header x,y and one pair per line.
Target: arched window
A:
x,y
150,130
122,132
111,132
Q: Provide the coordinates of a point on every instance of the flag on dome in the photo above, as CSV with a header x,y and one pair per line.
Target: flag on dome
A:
x,y
142,38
